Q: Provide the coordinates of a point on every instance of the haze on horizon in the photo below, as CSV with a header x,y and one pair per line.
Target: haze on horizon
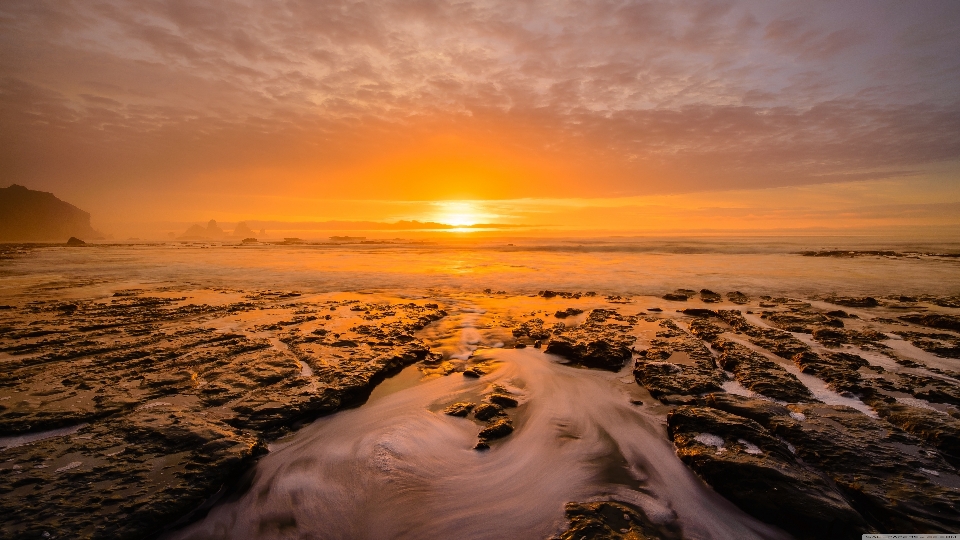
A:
x,y
612,115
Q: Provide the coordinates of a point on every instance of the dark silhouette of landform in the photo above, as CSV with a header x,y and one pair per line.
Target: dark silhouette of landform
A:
x,y
37,216
213,232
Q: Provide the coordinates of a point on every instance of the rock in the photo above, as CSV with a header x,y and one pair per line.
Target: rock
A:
x,y
37,216
503,400
532,329
473,372
699,312
709,297
74,241
758,410
839,370
673,297
606,352
937,429
677,364
461,408
935,320
486,411
738,297
879,468
569,312
853,301
746,464
159,384
760,374
609,520
496,429
594,343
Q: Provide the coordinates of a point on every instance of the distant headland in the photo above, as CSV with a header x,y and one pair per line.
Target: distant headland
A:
x,y
37,216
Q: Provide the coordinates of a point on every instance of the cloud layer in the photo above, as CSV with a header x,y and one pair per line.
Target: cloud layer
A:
x,y
453,99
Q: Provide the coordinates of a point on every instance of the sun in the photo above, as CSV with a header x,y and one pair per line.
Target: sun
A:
x,y
458,214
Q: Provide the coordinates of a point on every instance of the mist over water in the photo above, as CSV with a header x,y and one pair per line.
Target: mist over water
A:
x,y
611,266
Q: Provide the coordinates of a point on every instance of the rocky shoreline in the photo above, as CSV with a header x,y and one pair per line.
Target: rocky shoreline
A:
x,y
826,417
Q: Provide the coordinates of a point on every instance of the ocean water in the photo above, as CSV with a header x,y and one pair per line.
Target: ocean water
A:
x,y
765,265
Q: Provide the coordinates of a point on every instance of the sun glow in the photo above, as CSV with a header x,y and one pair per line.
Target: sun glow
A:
x,y
458,214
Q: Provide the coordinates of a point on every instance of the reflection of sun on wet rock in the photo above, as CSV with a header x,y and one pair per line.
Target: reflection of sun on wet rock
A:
x,y
461,408
594,343
612,521
748,465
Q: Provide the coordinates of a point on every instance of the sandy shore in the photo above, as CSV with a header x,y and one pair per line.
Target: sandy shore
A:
x,y
125,414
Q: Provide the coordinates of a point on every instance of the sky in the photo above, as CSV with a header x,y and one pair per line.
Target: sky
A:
x,y
594,115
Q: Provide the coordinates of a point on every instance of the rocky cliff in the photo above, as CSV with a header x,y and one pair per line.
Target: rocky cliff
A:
x,y
38,216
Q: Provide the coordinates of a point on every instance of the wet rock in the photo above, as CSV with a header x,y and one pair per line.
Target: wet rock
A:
x,y
461,408
838,370
934,320
854,301
699,312
879,468
834,337
503,400
746,464
758,410
940,344
709,297
738,297
588,349
674,297
937,429
496,429
74,241
486,411
781,343
760,374
594,343
705,330
176,406
608,520
677,364
532,329
569,312
473,372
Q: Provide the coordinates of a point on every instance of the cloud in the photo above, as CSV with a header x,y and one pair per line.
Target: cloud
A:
x,y
347,98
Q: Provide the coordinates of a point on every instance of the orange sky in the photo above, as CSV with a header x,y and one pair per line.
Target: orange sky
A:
x,y
619,116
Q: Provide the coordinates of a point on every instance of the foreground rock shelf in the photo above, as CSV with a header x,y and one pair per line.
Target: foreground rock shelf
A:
x,y
121,415
171,399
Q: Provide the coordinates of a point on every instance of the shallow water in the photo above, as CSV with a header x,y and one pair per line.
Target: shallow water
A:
x,y
399,468
612,266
